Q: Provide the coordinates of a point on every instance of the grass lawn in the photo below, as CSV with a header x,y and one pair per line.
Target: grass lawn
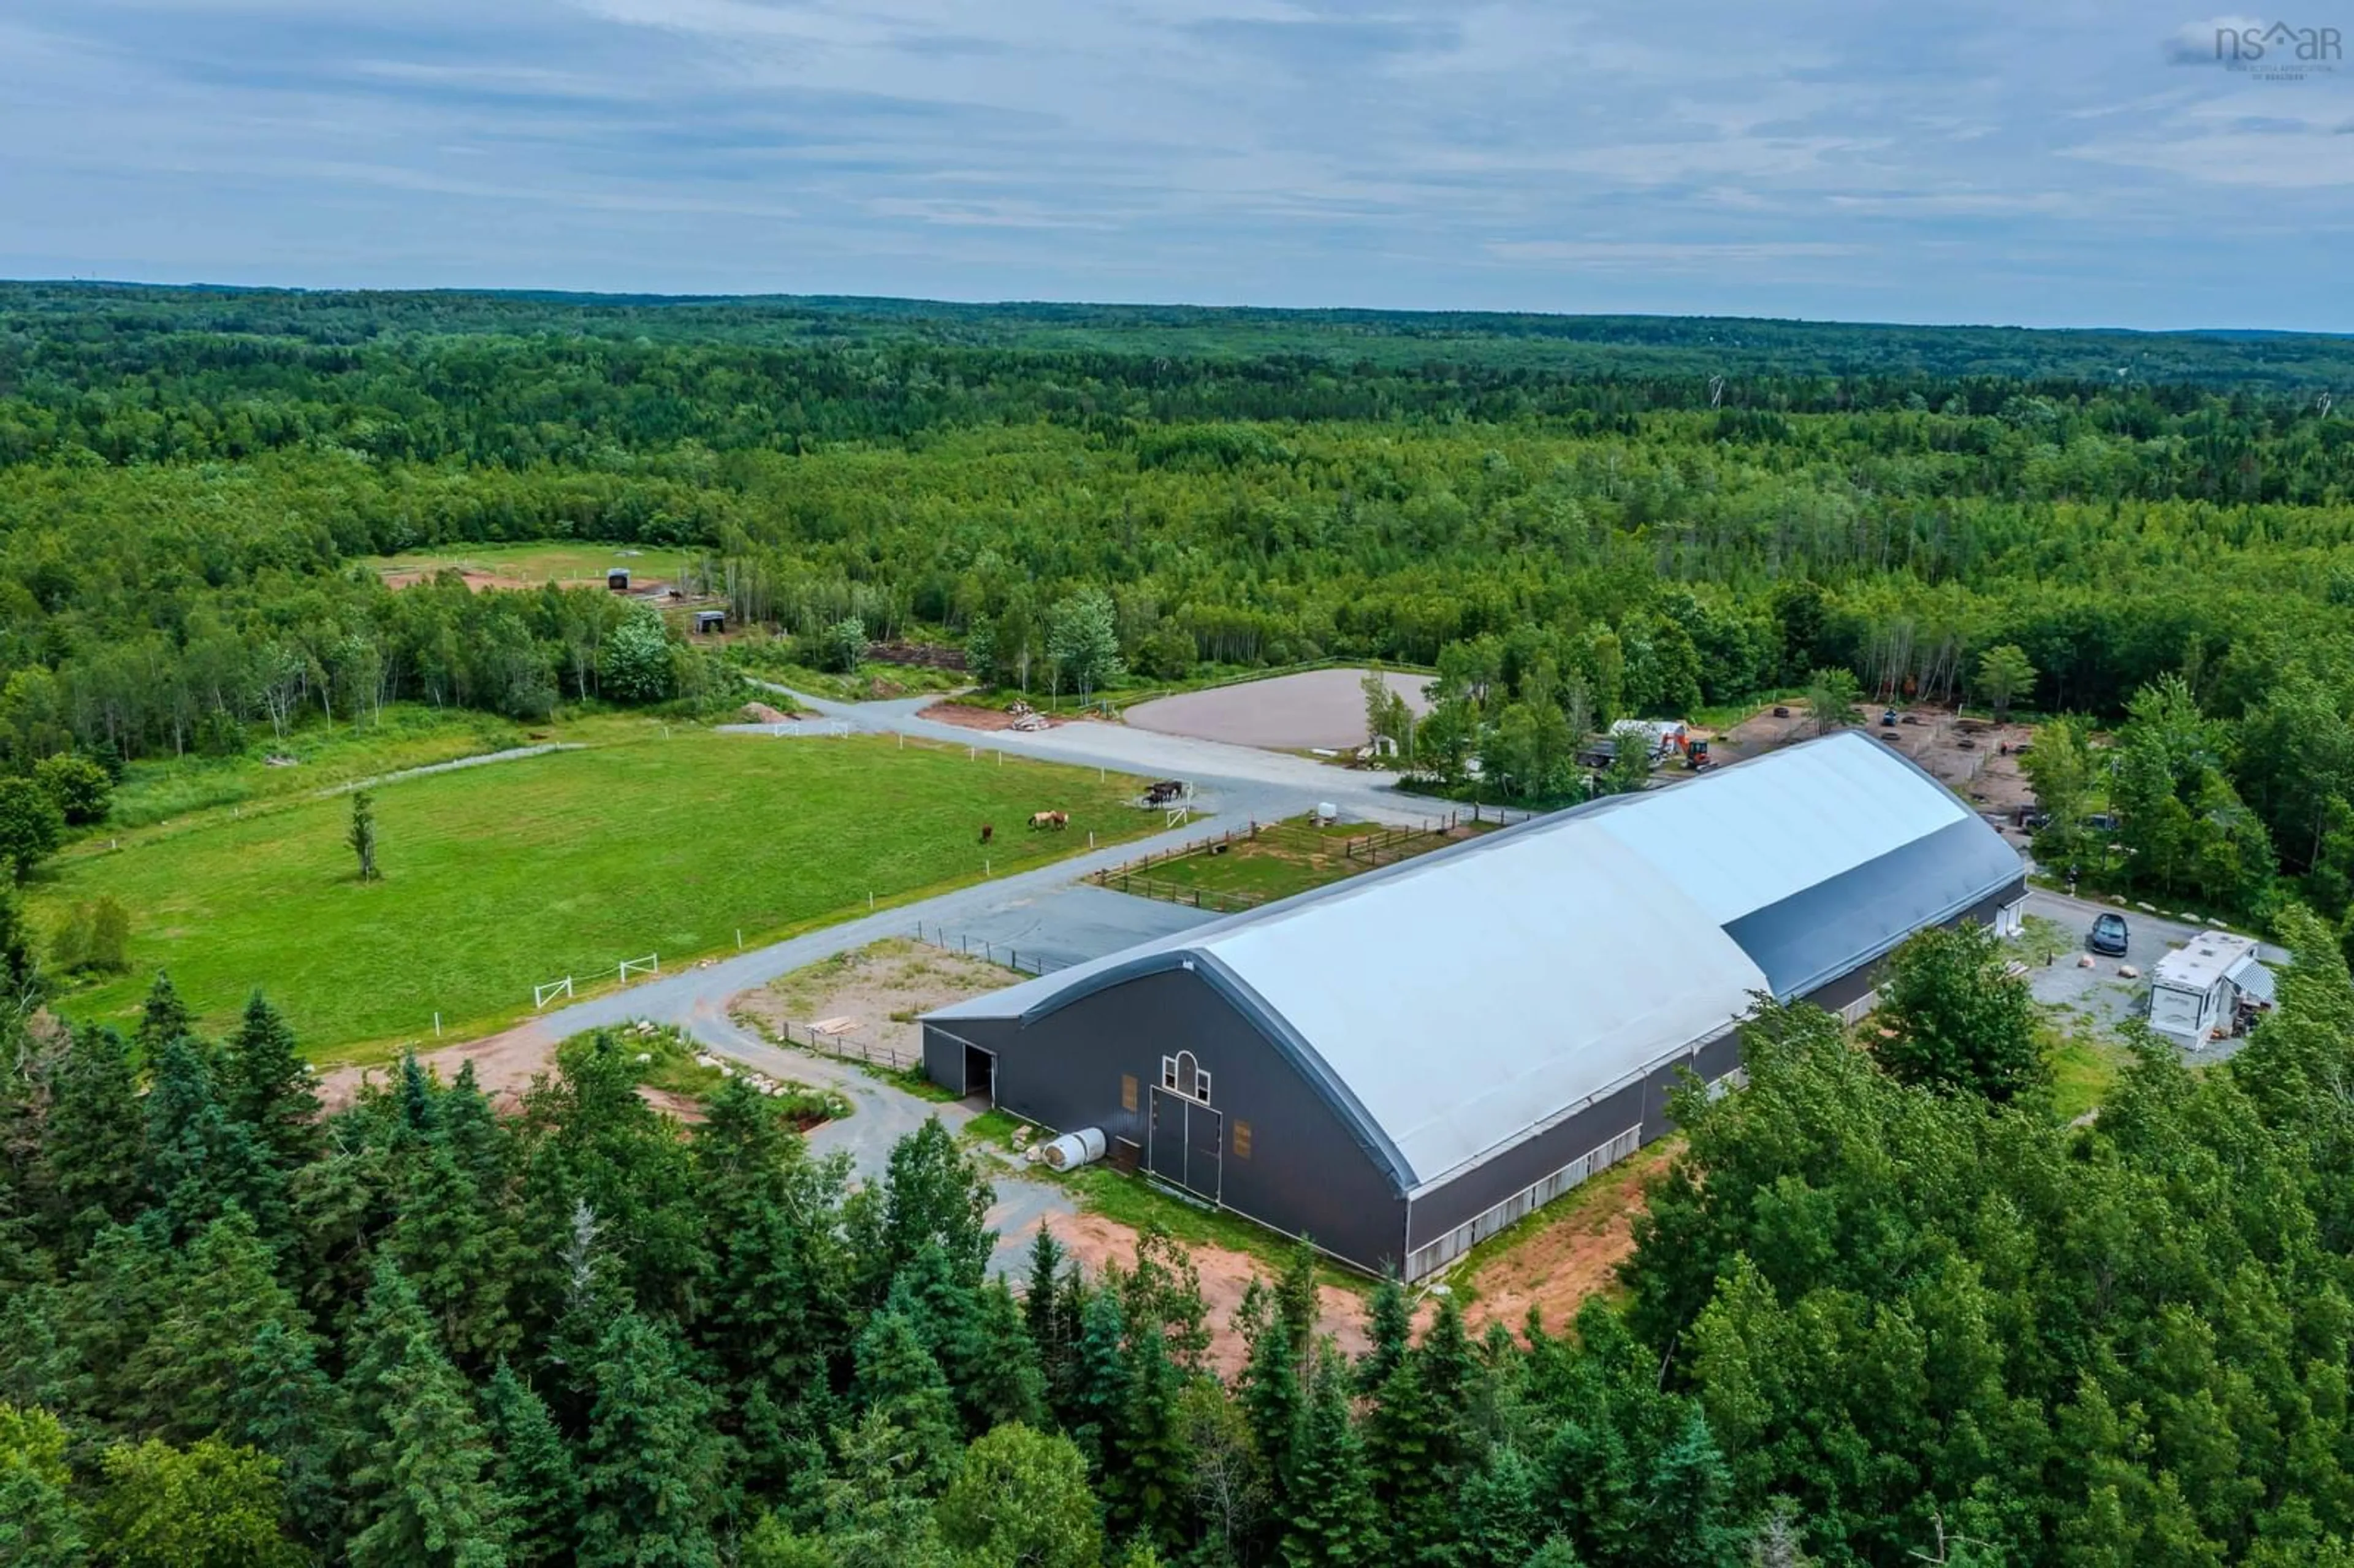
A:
x,y
540,561
2084,1070
408,735
1286,858
501,876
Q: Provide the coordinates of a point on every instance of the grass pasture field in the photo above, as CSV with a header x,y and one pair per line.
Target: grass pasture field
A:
x,y
319,757
502,876
530,565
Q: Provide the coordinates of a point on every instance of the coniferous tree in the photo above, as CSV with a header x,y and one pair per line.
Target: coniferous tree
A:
x,y
266,1085
1101,1379
38,1361
1496,1514
1332,1521
284,1406
418,1473
898,1379
533,1471
1274,1401
873,1510
362,834
93,1149
778,1301
163,1018
121,1288
1000,1381
1390,1330
200,1351
417,1097
1689,1500
1405,1444
199,1161
1042,1301
649,1463
1449,1366
1147,1474
453,1247
477,1138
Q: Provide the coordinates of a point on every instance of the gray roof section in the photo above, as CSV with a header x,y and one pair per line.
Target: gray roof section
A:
x,y
1814,935
1546,961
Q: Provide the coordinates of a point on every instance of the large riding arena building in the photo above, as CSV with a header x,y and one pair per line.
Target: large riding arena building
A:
x,y
1400,1064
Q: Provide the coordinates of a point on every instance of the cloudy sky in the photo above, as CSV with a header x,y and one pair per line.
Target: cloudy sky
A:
x,y
2045,161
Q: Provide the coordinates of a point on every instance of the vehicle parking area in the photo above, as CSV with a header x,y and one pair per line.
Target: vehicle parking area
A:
x,y
2099,997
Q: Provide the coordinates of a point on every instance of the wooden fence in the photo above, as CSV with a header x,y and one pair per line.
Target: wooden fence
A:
x,y
852,1045
924,656
990,952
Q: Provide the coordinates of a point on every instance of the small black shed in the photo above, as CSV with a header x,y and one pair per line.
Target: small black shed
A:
x,y
618,579
710,621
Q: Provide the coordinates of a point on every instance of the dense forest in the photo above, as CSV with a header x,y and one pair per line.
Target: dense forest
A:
x,y
1576,518
1884,1306
1883,1309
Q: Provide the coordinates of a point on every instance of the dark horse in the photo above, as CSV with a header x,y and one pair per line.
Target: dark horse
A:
x,y
986,830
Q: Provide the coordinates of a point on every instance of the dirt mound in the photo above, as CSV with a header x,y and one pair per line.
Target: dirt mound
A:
x,y
762,712
967,715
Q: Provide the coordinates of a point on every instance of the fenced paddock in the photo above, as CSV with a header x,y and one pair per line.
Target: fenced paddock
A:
x,y
1242,868
848,1045
1005,954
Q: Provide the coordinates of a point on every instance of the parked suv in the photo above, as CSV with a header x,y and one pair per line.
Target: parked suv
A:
x,y
2109,934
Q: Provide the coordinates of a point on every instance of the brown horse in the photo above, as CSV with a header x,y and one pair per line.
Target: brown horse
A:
x,y
986,830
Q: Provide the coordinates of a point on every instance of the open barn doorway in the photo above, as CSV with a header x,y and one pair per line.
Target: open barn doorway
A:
x,y
980,1074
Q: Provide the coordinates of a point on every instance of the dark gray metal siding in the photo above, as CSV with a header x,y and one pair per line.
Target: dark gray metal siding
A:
x,y
1502,1176
1307,1173
1833,996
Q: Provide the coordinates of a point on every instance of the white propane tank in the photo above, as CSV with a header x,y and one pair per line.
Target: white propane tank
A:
x,y
1073,1149
1326,812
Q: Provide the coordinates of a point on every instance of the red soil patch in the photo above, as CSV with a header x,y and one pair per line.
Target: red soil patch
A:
x,y
477,581
1096,1241
1554,1269
504,1066
966,716
762,712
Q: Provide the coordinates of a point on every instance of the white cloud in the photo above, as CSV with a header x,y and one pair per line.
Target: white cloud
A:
x,y
1705,155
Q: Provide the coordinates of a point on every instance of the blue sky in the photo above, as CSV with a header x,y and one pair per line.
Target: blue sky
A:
x,y
2050,164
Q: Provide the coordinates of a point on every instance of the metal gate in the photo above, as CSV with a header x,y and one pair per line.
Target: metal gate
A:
x,y
1187,1140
